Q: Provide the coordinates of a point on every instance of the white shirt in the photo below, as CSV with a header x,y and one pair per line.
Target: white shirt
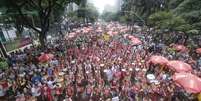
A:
x,y
115,98
50,84
35,91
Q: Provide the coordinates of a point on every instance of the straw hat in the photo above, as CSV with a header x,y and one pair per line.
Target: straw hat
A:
x,y
59,85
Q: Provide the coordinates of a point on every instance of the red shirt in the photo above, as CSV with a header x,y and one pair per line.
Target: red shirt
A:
x,y
46,90
58,90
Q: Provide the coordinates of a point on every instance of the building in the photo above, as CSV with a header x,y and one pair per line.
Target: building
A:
x,y
7,34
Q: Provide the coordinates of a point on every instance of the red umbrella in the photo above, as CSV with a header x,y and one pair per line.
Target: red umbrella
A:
x,y
198,50
45,57
179,66
191,83
158,60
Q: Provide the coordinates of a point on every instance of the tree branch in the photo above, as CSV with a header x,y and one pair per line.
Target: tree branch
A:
x,y
18,7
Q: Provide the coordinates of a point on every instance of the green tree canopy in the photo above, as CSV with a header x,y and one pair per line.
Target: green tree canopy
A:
x,y
40,10
88,12
168,21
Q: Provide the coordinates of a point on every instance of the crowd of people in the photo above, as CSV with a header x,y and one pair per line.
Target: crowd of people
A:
x,y
95,63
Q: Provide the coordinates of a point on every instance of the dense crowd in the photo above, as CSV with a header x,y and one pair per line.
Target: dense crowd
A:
x,y
95,63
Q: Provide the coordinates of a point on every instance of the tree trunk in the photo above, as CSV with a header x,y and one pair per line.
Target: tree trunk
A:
x,y
3,50
186,40
42,39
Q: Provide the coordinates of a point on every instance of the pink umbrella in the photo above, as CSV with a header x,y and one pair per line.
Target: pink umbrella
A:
x,y
99,31
130,37
198,50
110,33
179,66
191,83
158,60
45,57
114,33
85,31
89,29
78,31
136,41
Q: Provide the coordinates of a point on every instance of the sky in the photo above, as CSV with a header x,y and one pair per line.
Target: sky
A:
x,y
100,4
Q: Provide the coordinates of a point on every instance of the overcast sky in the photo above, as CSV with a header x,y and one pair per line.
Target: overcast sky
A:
x,y
101,3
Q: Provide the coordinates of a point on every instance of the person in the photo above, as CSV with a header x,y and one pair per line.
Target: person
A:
x,y
58,91
46,93
36,92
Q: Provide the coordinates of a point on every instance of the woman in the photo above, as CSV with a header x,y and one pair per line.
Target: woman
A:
x,y
46,93
69,91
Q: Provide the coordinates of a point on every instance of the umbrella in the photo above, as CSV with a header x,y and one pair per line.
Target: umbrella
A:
x,y
130,37
179,66
180,48
78,31
133,39
114,33
110,33
191,83
136,41
85,31
198,50
99,31
158,60
45,57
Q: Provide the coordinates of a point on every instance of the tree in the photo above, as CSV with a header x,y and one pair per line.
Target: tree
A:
x,y
92,12
82,10
190,10
109,16
167,22
143,8
88,12
43,9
